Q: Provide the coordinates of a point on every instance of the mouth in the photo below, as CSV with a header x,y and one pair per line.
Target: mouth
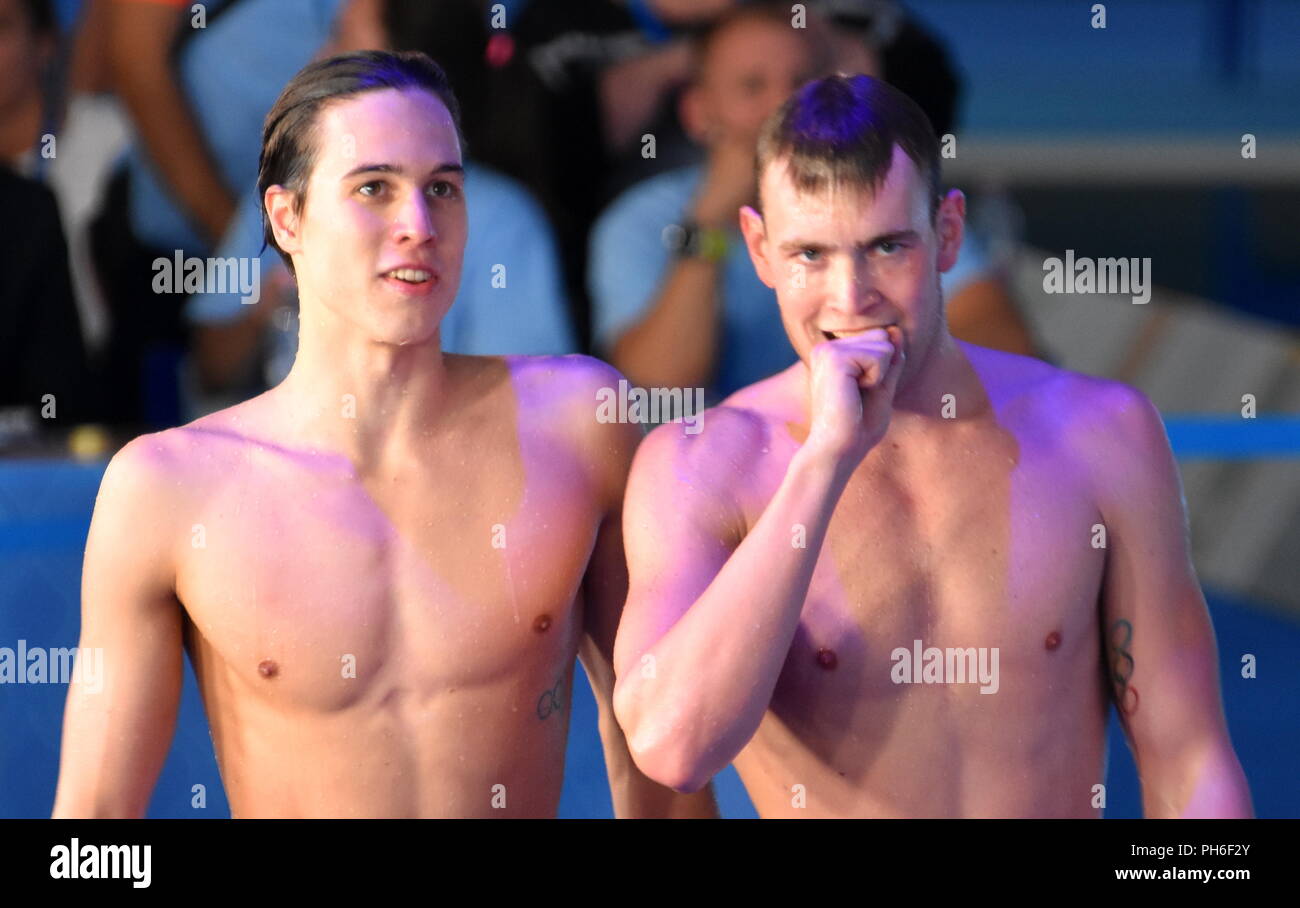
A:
x,y
854,332
410,279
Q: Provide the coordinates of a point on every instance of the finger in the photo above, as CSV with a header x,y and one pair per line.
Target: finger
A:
x,y
870,363
894,372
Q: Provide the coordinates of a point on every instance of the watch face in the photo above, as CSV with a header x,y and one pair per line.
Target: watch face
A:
x,y
677,237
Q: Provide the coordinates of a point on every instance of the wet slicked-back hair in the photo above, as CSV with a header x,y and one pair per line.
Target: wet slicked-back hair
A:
x,y
840,132
289,133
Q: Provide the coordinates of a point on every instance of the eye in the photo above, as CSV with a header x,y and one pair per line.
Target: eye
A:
x,y
371,189
809,254
444,190
888,247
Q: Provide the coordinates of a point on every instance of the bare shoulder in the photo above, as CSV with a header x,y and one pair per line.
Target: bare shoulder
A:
x,y
561,397
177,463
557,383
1106,428
146,488
715,454
729,440
1078,405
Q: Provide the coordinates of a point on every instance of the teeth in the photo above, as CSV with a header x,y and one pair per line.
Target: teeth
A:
x,y
413,275
841,334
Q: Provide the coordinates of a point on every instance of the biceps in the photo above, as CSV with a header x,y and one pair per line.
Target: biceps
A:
x,y
669,567
1161,658
121,710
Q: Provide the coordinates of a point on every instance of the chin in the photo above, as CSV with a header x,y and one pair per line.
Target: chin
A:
x,y
409,337
417,325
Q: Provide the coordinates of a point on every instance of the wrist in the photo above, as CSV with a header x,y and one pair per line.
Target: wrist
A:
x,y
695,240
820,467
708,214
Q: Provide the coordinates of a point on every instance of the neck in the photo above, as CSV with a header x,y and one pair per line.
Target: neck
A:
x,y
368,400
943,370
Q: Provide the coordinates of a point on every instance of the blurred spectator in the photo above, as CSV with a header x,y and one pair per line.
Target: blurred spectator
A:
x,y
675,300
29,42
42,361
43,366
93,134
197,80
585,80
511,297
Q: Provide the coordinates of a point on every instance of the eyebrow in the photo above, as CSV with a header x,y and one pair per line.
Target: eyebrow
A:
x,y
892,236
394,168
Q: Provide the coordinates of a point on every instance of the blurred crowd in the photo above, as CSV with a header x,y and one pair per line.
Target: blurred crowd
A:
x,y
609,144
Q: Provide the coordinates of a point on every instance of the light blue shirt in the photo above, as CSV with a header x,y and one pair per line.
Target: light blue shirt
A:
x,y
231,73
629,261
510,244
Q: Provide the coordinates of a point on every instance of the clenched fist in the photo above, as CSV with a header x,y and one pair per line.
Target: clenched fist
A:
x,y
852,393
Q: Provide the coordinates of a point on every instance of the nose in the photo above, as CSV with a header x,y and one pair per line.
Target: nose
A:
x,y
412,222
852,290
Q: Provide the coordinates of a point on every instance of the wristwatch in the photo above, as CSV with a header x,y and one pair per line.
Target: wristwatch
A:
x,y
691,240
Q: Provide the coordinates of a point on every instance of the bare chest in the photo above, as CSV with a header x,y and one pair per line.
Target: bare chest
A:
x,y
976,574
318,591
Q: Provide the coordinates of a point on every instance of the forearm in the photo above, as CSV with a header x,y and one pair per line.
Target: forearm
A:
x,y
693,700
171,136
675,345
88,70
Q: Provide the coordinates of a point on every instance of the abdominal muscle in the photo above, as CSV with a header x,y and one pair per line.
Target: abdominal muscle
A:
x,y
402,747
931,765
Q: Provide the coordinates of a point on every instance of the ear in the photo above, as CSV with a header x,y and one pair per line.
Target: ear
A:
x,y
950,227
285,223
755,233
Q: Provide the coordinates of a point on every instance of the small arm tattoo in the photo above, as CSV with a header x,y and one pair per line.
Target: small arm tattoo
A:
x,y
549,701
1121,666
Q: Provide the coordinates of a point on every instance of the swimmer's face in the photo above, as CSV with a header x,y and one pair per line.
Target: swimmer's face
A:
x,y
23,54
386,195
844,261
751,68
